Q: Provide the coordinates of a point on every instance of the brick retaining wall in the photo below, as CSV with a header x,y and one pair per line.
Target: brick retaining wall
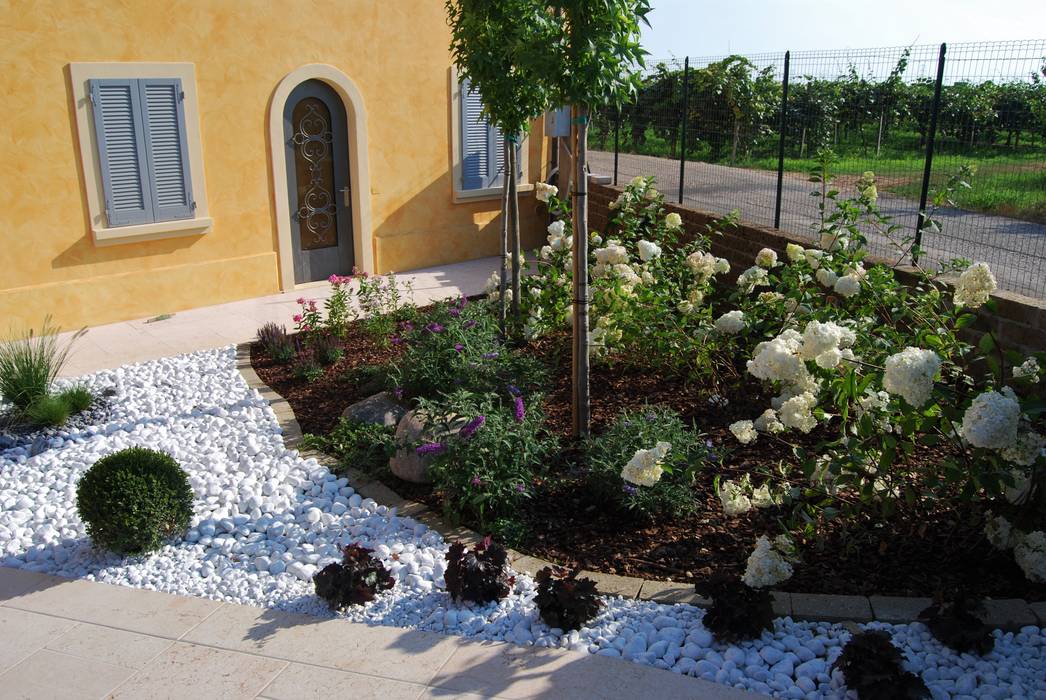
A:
x,y
1019,322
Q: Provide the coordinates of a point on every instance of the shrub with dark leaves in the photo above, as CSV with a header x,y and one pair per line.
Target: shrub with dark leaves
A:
x,y
479,574
356,580
955,624
276,343
564,600
738,611
871,665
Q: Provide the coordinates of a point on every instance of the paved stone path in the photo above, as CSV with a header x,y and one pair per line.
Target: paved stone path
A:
x,y
1015,249
61,638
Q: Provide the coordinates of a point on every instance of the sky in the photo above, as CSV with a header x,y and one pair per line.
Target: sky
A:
x,y
703,28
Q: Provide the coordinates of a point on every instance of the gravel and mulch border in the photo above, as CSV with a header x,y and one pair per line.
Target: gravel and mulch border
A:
x,y
1007,614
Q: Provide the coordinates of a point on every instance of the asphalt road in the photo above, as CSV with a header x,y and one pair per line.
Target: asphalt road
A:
x,y
1015,249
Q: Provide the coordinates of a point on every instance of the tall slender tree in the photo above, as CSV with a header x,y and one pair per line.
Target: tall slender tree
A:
x,y
593,61
501,47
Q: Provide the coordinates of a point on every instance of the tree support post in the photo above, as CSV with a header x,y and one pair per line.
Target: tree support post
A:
x,y
581,408
781,142
931,134
682,126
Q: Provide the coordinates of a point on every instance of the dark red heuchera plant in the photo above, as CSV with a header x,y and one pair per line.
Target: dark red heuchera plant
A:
x,y
955,624
738,611
564,600
871,665
479,574
356,580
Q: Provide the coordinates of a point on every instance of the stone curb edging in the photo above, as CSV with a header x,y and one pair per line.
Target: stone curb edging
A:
x,y
1008,614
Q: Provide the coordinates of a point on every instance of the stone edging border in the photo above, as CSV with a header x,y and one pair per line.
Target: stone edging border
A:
x,y
1008,614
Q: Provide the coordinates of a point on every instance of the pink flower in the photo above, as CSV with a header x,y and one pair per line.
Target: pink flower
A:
x,y
333,279
312,304
301,300
296,318
476,481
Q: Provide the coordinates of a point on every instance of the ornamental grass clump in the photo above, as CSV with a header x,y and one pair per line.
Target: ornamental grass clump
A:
x,y
872,667
274,340
133,500
479,575
564,600
645,463
357,579
29,365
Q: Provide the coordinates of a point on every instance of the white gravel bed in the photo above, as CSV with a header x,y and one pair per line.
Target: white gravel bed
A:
x,y
266,519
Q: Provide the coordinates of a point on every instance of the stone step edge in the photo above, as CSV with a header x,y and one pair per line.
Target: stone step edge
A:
x,y
1009,614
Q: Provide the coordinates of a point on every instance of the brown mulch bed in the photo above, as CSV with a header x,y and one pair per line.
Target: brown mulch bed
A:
x,y
919,552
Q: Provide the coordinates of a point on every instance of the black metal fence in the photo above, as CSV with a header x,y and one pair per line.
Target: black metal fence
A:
x,y
742,132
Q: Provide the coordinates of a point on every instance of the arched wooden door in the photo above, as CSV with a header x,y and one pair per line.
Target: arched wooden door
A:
x,y
318,182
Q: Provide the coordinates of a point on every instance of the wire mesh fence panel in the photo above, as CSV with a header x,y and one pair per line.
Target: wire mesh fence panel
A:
x,y
872,109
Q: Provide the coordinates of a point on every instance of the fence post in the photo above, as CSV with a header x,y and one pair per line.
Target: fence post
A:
x,y
931,133
682,127
781,143
617,133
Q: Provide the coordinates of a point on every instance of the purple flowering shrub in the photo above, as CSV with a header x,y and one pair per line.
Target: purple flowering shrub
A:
x,y
484,466
671,495
455,346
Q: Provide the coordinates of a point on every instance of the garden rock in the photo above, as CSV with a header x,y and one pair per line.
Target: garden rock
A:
x,y
407,464
379,409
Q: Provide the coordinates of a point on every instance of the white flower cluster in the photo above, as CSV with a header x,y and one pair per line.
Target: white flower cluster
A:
x,y
797,412
974,286
613,254
833,241
704,266
778,359
1029,551
766,257
1029,369
731,322
673,221
543,190
556,239
992,419
909,374
1025,450
847,285
866,186
827,344
744,431
874,403
751,278
733,496
493,287
795,252
768,564
644,469
649,251
768,422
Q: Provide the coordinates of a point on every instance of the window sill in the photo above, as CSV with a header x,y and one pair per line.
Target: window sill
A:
x,y
465,196
151,232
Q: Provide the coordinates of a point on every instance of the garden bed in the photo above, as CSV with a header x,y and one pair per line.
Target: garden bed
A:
x,y
919,553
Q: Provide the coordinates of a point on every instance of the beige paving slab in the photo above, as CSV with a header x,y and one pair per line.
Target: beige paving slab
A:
x,y
671,592
521,673
399,654
23,633
301,681
16,582
49,673
132,609
109,645
190,672
611,584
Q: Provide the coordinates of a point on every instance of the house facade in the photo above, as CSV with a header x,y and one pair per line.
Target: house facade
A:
x,y
166,156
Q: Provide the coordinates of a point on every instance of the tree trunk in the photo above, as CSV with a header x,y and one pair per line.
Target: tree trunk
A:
x,y
503,285
581,412
510,173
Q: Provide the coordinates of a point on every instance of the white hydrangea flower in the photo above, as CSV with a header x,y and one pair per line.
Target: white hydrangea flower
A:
x,y
685,307
546,252
826,277
761,496
673,221
644,469
612,254
909,374
975,286
695,297
768,422
991,420
1029,552
722,266
1029,369
813,257
821,337
731,322
998,532
701,264
595,239
832,241
744,431
555,229
751,278
767,257
543,190
795,252
766,565
797,413
638,181
650,194
732,495
847,286
778,359
561,243
769,297
1017,493
649,251
1025,450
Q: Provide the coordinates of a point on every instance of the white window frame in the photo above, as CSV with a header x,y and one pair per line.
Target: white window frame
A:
x,y
104,234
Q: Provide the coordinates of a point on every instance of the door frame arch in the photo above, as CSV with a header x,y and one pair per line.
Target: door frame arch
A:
x,y
359,168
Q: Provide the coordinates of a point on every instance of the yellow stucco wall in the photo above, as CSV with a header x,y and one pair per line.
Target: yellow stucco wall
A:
x,y
394,51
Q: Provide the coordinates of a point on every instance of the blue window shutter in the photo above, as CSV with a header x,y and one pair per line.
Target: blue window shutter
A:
x,y
163,115
475,141
119,132
497,145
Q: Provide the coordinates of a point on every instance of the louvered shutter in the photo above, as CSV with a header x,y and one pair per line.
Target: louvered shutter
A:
x,y
475,141
121,151
163,116
497,157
